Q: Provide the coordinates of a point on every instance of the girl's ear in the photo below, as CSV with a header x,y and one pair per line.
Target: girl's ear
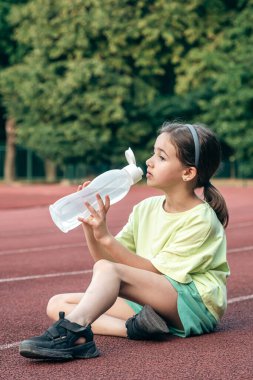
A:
x,y
189,173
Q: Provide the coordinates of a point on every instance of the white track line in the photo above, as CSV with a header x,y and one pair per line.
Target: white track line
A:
x,y
2,280
84,244
9,345
41,248
231,301
38,276
240,249
240,299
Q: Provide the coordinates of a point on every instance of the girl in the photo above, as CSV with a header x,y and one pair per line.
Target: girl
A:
x,y
165,272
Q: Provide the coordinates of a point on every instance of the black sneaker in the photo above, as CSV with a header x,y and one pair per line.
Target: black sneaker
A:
x,y
147,324
58,342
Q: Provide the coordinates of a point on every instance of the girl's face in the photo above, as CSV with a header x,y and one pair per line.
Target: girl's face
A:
x,y
164,170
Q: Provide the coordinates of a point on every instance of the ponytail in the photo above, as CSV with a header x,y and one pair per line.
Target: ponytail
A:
x,y
217,202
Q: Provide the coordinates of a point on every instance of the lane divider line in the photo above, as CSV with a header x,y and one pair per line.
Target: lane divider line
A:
x,y
9,345
232,250
41,249
240,249
240,299
231,301
48,275
84,244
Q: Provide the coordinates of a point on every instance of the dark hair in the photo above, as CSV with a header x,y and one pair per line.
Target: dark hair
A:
x,y
209,161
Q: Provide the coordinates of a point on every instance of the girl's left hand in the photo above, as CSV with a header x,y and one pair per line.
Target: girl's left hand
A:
x,y
97,219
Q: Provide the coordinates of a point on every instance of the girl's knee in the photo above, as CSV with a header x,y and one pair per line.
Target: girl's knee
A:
x,y
104,265
53,305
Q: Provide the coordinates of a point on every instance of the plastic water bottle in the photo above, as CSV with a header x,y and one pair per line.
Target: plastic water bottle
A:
x,y
115,183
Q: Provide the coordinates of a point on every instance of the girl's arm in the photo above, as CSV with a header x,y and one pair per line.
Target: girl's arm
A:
x,y
96,250
102,238
121,254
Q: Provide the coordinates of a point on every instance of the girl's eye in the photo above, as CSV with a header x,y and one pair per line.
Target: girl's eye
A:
x,y
162,158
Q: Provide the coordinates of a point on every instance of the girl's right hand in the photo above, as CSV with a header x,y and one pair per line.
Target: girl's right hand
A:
x,y
97,219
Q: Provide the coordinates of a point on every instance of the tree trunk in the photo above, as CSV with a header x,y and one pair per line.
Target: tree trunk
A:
x,y
10,153
50,169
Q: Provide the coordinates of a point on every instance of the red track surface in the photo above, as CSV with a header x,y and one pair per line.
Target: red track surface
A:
x,y
32,246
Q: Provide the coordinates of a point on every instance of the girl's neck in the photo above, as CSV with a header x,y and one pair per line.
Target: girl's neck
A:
x,y
177,202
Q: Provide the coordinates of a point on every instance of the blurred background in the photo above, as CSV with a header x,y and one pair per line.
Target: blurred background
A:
x,y
82,80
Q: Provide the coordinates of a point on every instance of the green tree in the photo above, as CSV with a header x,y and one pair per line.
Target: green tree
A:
x,y
10,52
96,79
222,72
94,76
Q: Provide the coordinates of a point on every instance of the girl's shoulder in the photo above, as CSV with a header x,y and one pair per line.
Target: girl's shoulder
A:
x,y
202,220
148,207
149,203
200,211
201,215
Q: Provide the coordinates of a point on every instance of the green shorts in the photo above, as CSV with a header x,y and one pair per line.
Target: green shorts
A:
x,y
195,317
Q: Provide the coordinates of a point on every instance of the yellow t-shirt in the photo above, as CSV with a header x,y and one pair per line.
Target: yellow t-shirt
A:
x,y
186,246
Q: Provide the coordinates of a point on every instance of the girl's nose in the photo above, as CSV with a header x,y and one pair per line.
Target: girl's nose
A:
x,y
149,162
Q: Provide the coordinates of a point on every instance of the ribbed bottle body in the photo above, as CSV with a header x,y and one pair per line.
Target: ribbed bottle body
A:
x,y
64,212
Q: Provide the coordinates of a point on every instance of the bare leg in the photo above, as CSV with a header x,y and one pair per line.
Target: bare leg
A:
x,y
112,279
111,323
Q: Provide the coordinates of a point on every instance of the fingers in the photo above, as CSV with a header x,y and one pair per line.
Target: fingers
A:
x,y
100,202
93,212
103,205
85,184
107,202
86,221
96,215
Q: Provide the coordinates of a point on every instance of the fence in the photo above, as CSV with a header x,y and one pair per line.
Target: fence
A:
x,y
27,164
30,167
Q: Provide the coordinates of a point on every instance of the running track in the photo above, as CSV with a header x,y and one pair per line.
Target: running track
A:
x,y
37,261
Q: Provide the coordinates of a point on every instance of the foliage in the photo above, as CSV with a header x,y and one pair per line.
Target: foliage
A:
x,y
10,51
223,71
99,77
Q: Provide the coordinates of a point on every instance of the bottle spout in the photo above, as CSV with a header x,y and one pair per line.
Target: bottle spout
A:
x,y
135,172
130,156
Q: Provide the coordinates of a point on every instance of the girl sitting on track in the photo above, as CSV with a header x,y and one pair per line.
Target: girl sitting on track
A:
x,y
165,272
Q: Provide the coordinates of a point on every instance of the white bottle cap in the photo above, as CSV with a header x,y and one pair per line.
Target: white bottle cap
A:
x,y
135,172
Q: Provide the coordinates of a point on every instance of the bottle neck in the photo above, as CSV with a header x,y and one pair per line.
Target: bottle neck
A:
x,y
134,173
